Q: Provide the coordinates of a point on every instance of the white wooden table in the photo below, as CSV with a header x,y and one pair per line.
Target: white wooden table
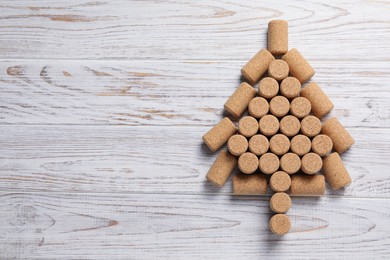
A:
x,y
102,109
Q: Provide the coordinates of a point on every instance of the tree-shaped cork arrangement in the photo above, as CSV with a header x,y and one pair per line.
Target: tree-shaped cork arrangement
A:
x,y
282,141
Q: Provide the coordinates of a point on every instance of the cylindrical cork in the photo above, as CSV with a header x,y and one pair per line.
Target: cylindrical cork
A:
x,y
300,107
252,184
237,145
278,69
258,107
257,66
280,224
311,163
290,125
320,103
279,144
268,87
221,168
238,102
269,163
300,144
258,144
311,126
277,37
299,67
342,140
248,163
269,125
322,145
310,185
219,134
335,172
290,163
248,126
280,181
279,106
290,87
280,202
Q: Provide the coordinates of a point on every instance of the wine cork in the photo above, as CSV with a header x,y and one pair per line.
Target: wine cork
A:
x,y
299,67
300,145
335,172
258,107
321,145
219,134
280,202
277,37
300,107
238,102
279,106
290,163
290,125
280,224
269,163
237,145
313,185
269,125
290,87
268,87
253,184
248,163
320,103
279,144
280,181
311,163
257,66
221,168
258,144
311,126
342,140
278,69
248,126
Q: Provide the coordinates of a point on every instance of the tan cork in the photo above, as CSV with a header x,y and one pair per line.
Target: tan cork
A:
x,y
248,126
269,125
217,136
258,144
248,163
300,144
278,69
280,181
258,107
257,66
277,37
280,224
268,87
290,87
322,145
279,144
320,103
290,163
290,125
221,168
279,106
238,102
280,202
299,67
311,163
269,163
335,172
342,140
310,126
237,145
300,107
253,184
313,185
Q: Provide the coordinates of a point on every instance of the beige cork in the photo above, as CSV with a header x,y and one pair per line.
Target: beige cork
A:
x,y
299,67
237,145
290,87
290,163
313,185
278,69
321,145
311,163
320,103
280,202
269,163
300,144
221,168
248,163
219,134
258,144
269,125
335,172
300,107
248,126
258,107
280,181
277,37
342,140
253,184
238,102
280,224
268,87
279,106
290,125
311,126
279,144
257,66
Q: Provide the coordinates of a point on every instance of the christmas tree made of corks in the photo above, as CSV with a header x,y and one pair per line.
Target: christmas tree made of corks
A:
x,y
282,142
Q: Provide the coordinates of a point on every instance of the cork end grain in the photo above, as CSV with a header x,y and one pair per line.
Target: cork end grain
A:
x,y
248,126
221,168
258,107
311,163
268,87
248,163
269,125
279,106
268,163
300,107
258,144
278,69
253,184
322,144
280,181
290,87
237,144
280,224
290,125
311,126
279,144
290,163
280,202
300,144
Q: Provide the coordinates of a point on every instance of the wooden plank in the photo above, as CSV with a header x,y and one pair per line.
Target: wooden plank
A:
x,y
184,29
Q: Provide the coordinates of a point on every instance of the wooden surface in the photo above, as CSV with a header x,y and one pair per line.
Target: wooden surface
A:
x,y
102,109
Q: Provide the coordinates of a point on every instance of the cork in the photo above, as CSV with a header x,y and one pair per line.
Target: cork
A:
x,y
300,107
313,185
269,125
258,107
248,126
321,145
248,163
277,37
279,144
237,144
289,125
279,106
219,134
280,202
320,103
310,126
257,66
269,163
278,69
280,224
221,168
258,144
280,181
300,145
268,87
335,172
342,140
290,87
290,163
253,184
237,104
311,163
299,67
